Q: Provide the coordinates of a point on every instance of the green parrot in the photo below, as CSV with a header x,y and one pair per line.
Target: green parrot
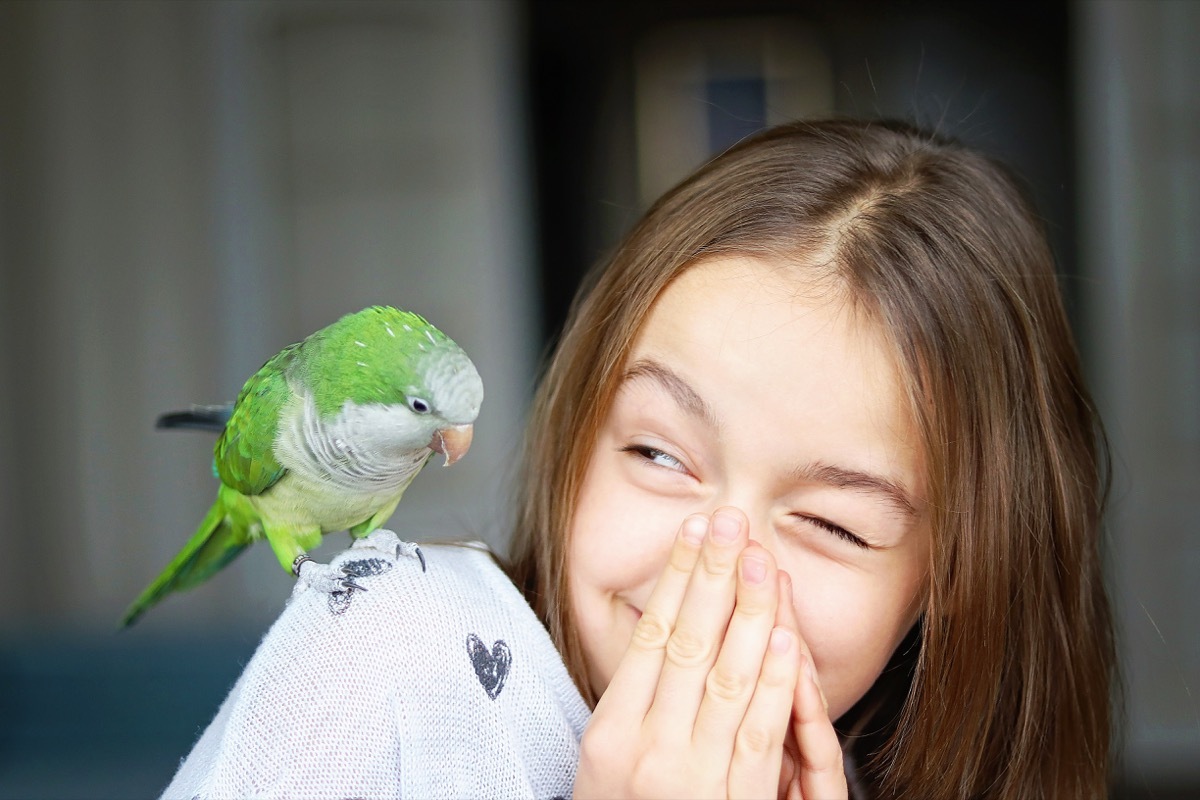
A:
x,y
326,436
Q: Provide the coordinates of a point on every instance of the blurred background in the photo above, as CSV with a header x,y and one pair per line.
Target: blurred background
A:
x,y
186,187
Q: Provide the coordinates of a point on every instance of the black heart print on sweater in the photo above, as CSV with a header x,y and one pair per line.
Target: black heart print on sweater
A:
x,y
491,668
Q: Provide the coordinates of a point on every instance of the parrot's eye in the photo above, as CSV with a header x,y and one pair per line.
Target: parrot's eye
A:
x,y
418,405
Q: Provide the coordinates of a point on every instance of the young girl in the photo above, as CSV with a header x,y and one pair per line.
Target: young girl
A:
x,y
812,492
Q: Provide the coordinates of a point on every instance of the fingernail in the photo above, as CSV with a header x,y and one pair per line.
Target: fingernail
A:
x,y
781,641
787,585
724,528
754,569
694,528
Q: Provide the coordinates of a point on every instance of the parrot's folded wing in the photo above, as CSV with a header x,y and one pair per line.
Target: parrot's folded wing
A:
x,y
245,456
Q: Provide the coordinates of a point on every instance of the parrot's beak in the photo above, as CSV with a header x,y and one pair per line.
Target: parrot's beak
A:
x,y
452,442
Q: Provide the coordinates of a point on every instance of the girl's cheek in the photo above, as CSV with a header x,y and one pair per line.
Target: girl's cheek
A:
x,y
851,636
834,620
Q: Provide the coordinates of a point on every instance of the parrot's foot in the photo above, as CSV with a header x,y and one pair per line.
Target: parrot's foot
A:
x,y
325,577
385,541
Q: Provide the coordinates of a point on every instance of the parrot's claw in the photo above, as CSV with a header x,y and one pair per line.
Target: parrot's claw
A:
x,y
325,577
348,582
385,541
410,550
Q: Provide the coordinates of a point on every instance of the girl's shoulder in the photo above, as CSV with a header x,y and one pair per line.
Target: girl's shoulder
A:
x,y
406,589
434,679
438,616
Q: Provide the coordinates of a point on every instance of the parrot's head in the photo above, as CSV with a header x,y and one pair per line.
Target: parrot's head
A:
x,y
406,383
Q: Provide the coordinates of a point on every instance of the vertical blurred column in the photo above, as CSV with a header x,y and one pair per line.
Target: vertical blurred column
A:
x,y
1139,173
701,86
105,267
406,185
13,98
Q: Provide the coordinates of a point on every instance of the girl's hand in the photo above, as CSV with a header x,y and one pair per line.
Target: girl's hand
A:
x,y
812,757
702,702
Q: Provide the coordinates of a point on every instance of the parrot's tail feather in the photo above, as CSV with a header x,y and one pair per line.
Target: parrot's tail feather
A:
x,y
201,418
214,544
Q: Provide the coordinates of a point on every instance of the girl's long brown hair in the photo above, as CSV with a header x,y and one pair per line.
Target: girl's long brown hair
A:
x,y
1007,693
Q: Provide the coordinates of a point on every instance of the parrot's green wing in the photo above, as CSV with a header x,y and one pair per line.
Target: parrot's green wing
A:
x,y
244,456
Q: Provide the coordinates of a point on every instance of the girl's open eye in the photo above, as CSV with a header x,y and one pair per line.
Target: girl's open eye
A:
x,y
655,456
836,530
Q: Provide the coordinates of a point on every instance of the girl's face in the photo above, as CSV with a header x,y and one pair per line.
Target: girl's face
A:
x,y
745,390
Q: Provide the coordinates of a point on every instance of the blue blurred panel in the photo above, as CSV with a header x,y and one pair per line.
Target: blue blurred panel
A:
x,y
107,716
737,107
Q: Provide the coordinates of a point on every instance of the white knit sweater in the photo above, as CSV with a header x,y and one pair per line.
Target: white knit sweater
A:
x,y
430,684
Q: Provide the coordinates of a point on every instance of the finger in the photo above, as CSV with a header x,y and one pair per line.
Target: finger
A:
x,y
758,754
785,618
788,619
821,772
637,675
787,609
731,682
692,647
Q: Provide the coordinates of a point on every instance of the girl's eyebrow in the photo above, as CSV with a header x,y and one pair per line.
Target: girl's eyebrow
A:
x,y
842,478
679,389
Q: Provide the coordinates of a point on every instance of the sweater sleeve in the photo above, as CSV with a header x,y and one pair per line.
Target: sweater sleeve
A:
x,y
434,682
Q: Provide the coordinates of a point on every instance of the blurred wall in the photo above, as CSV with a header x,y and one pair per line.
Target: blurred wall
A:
x,y
1137,68
187,188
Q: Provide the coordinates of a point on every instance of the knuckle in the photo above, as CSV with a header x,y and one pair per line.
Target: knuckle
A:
x,y
600,742
682,561
727,685
716,564
822,760
594,741
686,648
754,741
776,675
599,758
775,680
646,779
751,605
651,632
820,768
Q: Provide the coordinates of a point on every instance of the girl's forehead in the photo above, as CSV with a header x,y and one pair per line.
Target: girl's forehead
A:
x,y
813,277
750,297
740,319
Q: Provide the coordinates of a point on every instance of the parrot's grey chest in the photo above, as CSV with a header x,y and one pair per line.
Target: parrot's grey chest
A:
x,y
364,455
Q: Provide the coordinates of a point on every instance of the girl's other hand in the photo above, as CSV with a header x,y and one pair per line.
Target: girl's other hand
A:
x,y
702,702
812,759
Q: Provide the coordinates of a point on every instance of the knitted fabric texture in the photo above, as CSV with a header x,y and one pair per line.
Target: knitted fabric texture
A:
x,y
430,684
